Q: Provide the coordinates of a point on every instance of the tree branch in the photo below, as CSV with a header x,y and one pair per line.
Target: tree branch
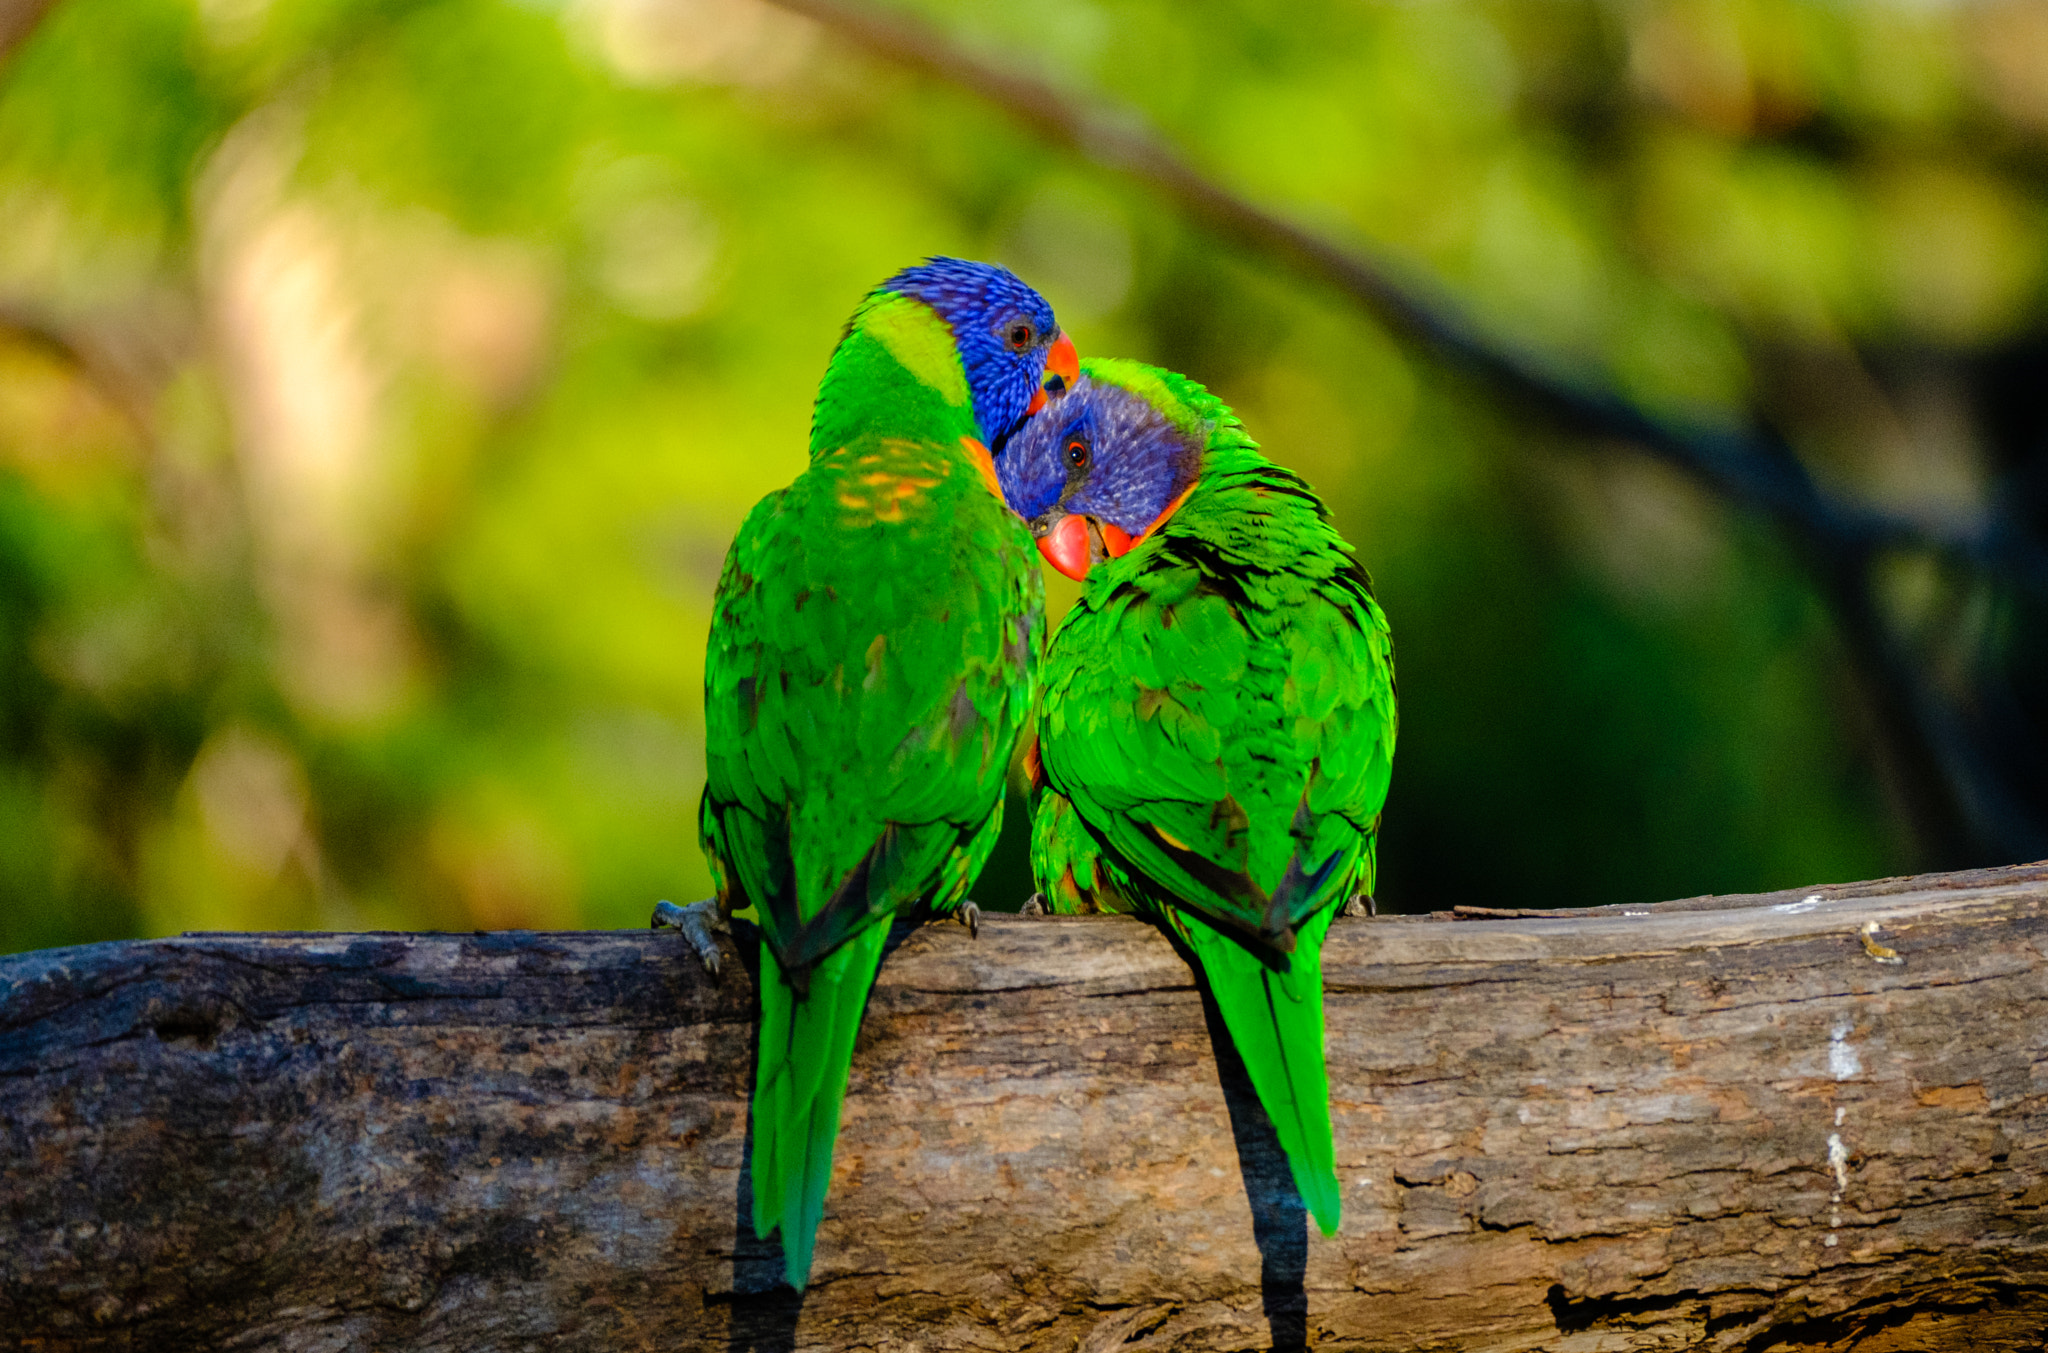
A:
x,y
1727,1122
18,19
123,393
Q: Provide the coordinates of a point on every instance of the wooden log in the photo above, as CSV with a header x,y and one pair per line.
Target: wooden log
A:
x,y
1727,1123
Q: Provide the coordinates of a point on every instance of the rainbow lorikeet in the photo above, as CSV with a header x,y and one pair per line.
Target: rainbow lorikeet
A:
x,y
874,649
1218,714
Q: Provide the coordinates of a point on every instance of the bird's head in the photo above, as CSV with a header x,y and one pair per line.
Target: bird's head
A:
x,y
1104,465
1008,340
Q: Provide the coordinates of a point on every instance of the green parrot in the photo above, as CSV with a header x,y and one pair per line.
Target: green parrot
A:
x,y
874,649
1217,730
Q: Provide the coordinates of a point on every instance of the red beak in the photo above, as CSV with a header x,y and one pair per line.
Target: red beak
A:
x,y
1069,548
1065,546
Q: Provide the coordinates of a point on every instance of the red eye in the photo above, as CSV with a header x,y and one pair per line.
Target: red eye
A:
x,y
1077,452
1021,336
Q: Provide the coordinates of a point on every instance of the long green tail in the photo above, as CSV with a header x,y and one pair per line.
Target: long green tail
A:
x,y
806,1052
1276,1020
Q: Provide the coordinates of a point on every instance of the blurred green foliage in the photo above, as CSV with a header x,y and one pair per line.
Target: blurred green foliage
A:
x,y
386,378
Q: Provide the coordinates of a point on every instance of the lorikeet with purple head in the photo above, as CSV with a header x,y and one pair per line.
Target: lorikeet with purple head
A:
x,y
874,648
1218,719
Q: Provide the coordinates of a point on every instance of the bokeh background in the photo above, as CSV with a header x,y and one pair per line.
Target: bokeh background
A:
x,y
381,382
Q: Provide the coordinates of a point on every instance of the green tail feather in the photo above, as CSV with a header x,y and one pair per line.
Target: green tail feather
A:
x,y
806,1052
1276,1020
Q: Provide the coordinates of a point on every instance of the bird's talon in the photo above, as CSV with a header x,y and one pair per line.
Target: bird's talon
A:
x,y
697,922
969,915
1361,904
1034,905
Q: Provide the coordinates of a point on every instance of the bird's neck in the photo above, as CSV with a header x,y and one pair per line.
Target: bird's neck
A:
x,y
1238,484
897,362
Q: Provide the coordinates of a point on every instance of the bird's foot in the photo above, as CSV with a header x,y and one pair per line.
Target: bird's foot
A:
x,y
697,922
1360,905
969,915
1034,905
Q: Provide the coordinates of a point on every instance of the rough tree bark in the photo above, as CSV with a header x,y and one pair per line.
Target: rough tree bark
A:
x,y
1731,1122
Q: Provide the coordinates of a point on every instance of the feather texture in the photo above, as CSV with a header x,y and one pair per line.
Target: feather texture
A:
x,y
1275,1017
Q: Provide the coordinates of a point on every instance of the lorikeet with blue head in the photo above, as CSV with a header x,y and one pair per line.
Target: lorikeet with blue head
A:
x,y
1217,730
874,648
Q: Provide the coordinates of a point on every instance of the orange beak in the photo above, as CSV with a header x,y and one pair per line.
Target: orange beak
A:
x,y
1062,369
1061,360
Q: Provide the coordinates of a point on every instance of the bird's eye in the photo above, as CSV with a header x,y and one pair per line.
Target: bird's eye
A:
x,y
1077,452
1021,336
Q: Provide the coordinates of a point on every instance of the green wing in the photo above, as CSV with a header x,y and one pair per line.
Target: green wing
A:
x,y
1216,744
871,662
1228,731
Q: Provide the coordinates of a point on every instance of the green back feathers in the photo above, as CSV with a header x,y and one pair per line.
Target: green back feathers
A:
x,y
870,665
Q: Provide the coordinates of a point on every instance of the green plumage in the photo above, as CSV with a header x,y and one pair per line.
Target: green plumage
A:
x,y
872,656
1215,748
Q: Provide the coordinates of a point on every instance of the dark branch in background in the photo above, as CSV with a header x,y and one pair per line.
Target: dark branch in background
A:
x,y
122,392
1960,809
1751,466
18,19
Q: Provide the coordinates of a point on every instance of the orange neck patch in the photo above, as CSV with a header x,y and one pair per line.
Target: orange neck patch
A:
x,y
888,483
1171,508
983,462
